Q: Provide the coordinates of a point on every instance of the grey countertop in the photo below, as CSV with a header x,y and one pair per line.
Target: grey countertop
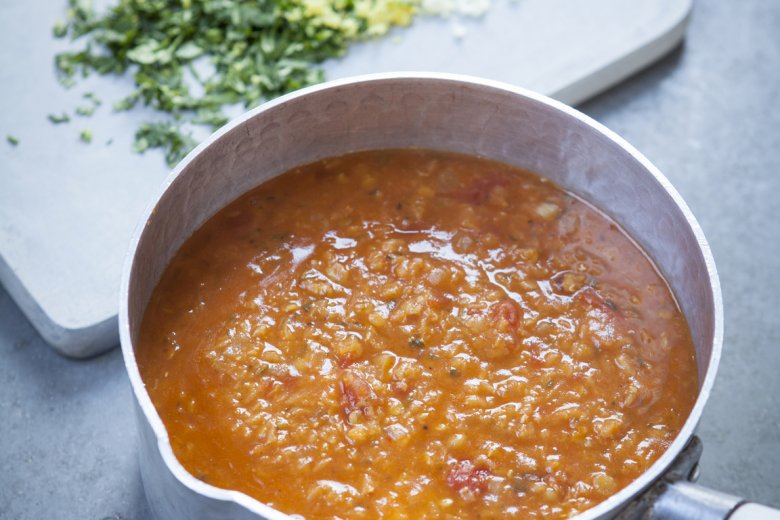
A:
x,y
707,115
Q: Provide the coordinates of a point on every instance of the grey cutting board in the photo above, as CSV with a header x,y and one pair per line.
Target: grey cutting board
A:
x,y
68,209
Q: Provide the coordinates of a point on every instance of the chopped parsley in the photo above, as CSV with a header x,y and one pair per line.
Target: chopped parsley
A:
x,y
193,58
59,119
88,110
60,29
85,111
166,135
92,97
85,136
12,140
416,343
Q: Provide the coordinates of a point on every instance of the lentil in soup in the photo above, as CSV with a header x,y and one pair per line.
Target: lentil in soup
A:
x,y
414,334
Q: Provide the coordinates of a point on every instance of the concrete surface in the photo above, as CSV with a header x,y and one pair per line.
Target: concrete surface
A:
x,y
708,116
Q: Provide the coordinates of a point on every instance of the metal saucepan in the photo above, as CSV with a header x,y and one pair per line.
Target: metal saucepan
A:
x,y
442,112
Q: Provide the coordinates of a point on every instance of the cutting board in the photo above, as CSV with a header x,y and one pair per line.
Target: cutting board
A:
x,y
68,209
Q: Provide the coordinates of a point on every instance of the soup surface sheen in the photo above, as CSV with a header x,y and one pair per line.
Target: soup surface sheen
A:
x,y
412,334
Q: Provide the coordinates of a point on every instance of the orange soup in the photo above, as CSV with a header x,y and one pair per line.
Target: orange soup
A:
x,y
414,334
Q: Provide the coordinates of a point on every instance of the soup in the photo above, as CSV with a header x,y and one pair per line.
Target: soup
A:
x,y
416,334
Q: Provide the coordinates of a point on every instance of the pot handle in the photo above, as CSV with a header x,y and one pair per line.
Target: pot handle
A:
x,y
683,500
751,510
676,497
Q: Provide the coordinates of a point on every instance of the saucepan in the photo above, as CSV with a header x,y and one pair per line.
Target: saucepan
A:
x,y
449,113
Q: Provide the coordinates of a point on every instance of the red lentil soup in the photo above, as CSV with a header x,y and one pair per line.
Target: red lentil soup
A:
x,y
415,334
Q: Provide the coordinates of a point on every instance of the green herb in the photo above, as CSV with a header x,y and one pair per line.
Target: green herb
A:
x,y
92,97
60,29
166,135
416,343
66,82
85,111
85,136
213,118
192,58
59,119
12,140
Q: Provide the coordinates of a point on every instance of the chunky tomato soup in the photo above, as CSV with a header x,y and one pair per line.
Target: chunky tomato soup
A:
x,y
413,334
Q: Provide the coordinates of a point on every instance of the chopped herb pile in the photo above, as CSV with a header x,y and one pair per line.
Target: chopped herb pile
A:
x,y
193,58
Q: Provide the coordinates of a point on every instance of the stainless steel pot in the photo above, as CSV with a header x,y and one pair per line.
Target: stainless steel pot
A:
x,y
442,112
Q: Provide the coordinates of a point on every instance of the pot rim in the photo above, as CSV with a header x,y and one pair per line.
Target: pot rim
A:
x,y
611,504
